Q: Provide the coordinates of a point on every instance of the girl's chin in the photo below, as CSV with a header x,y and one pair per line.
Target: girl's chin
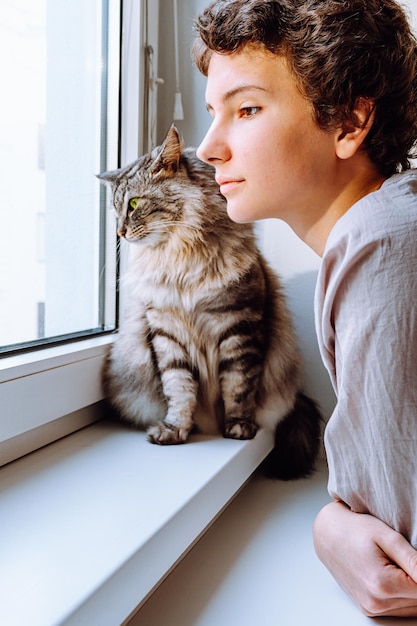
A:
x,y
240,216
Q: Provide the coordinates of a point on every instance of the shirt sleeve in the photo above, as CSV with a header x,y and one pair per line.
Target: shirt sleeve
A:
x,y
368,331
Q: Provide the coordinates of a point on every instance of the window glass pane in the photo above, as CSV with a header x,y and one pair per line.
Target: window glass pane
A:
x,y
53,140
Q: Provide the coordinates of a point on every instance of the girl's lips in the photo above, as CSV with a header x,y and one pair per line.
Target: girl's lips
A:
x,y
228,185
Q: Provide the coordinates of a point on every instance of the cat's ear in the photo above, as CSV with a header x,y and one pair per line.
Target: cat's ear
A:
x,y
108,178
168,159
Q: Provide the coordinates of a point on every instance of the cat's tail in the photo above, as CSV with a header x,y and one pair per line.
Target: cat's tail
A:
x,y
297,442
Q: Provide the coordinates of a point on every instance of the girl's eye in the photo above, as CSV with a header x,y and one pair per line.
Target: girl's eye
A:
x,y
249,111
133,203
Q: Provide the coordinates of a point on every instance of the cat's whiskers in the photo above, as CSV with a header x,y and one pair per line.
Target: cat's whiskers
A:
x,y
176,223
116,263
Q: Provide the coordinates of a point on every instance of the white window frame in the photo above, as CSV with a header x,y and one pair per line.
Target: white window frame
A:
x,y
51,392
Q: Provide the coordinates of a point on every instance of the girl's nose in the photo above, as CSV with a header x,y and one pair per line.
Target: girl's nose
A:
x,y
214,147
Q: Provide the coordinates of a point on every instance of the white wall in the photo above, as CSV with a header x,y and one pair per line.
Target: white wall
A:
x,y
192,83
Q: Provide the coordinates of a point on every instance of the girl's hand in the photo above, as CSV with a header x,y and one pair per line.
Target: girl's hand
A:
x,y
374,564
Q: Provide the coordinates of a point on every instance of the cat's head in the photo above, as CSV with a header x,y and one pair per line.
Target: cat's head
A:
x,y
160,192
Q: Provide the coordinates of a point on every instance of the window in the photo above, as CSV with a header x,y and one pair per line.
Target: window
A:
x,y
71,66
58,128
59,119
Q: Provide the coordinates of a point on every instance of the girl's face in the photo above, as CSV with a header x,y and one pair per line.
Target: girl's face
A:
x,y
270,156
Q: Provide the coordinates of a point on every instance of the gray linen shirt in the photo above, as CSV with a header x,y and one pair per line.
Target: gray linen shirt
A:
x,y
366,323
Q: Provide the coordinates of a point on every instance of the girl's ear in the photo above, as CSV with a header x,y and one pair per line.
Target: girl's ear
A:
x,y
353,133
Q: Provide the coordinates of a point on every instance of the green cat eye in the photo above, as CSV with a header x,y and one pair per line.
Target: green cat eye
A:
x,y
133,203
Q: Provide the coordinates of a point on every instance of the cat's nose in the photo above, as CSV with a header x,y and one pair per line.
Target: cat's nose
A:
x,y
121,232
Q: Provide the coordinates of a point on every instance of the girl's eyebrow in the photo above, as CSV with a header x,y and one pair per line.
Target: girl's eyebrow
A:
x,y
228,95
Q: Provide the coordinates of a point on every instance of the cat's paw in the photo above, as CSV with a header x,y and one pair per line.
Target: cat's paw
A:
x,y
240,429
165,435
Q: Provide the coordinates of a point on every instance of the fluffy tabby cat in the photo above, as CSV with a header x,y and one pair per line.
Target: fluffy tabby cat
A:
x,y
206,341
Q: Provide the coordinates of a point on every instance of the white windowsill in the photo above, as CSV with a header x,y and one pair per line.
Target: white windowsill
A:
x,y
90,524
256,566
49,393
43,359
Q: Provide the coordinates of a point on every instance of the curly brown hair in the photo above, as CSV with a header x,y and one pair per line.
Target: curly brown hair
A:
x,y
340,51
